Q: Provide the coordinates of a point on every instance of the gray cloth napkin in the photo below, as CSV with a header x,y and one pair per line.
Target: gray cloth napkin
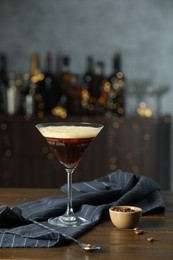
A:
x,y
91,200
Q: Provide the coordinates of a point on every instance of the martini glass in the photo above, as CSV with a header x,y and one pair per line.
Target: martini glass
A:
x,y
69,141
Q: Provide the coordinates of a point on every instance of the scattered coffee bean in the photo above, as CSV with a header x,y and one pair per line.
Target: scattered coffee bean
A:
x,y
88,246
136,228
138,231
150,239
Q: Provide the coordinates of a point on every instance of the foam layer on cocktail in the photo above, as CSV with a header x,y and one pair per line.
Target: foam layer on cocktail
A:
x,y
69,131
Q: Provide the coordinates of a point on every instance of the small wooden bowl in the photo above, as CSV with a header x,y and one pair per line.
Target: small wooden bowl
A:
x,y
125,216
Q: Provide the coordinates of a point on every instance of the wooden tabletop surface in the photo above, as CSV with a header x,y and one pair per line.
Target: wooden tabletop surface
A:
x,y
115,244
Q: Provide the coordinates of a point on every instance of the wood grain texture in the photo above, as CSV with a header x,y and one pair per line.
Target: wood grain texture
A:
x,y
115,244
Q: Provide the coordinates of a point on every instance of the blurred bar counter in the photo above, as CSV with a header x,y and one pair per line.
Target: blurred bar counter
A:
x,y
139,145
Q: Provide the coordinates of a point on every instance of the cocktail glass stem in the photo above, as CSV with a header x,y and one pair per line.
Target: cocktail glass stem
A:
x,y
69,212
68,218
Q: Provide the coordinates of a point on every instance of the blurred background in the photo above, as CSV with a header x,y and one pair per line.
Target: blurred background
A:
x,y
108,61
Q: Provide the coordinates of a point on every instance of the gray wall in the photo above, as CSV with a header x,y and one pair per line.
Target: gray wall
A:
x,y
140,30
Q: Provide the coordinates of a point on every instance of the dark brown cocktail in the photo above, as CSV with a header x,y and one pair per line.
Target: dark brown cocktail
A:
x,y
69,151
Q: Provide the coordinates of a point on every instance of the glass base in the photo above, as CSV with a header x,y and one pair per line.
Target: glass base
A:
x,y
68,221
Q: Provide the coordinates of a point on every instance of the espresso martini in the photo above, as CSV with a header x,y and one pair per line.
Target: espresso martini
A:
x,y
69,142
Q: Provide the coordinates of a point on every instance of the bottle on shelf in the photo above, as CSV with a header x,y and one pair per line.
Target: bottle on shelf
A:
x,y
3,80
33,96
48,89
88,93
28,102
12,96
74,96
66,85
100,94
116,94
65,78
3,69
58,80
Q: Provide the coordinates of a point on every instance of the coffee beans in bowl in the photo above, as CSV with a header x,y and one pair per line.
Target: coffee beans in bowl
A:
x,y
125,216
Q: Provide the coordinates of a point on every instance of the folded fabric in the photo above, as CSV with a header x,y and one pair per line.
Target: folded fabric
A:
x,y
91,200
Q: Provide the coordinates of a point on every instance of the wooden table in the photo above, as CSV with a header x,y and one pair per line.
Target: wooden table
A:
x,y
115,244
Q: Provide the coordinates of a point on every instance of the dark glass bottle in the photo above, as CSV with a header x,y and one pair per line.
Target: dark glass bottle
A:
x,y
34,100
28,99
116,94
89,88
74,94
58,72
100,94
3,70
67,81
3,80
48,88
